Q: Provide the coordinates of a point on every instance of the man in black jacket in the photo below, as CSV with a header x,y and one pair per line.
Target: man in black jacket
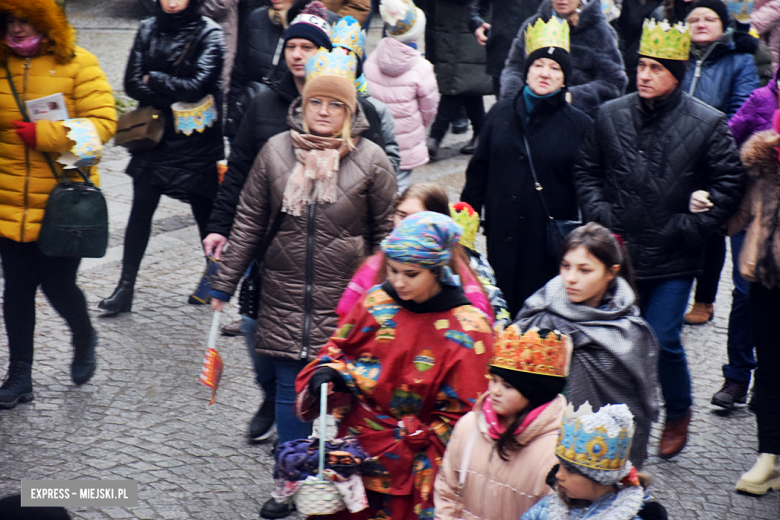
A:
x,y
661,169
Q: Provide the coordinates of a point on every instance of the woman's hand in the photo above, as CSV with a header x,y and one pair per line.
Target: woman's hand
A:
x,y
482,33
217,305
700,202
213,245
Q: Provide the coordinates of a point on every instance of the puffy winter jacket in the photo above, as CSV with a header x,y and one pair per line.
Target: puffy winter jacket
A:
x,y
756,113
724,74
59,67
596,66
181,164
495,488
266,117
402,79
311,260
637,169
765,19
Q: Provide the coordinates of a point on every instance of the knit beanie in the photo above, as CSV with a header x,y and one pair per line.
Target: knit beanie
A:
x,y
537,388
714,5
405,21
676,67
561,56
311,24
331,74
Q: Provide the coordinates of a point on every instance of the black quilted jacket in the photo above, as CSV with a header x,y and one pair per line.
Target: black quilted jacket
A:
x,y
637,169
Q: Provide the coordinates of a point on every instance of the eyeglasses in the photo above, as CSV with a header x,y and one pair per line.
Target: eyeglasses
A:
x,y
333,106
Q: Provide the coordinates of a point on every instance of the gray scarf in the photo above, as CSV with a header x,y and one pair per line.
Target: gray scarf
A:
x,y
615,357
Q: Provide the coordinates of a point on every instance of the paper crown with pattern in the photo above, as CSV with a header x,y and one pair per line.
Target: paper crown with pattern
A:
x,y
335,63
348,35
537,351
554,33
399,15
600,440
665,41
468,219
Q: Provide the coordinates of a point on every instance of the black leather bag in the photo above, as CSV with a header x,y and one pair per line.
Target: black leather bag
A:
x,y
75,222
555,230
249,292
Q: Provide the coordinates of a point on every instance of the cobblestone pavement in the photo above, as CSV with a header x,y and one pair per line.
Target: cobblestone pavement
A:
x,y
145,417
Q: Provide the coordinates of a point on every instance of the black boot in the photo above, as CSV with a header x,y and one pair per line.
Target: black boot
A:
x,y
262,424
121,300
17,387
471,146
272,509
84,362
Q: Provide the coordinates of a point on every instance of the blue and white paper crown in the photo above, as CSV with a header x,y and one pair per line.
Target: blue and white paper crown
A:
x,y
348,35
599,440
336,63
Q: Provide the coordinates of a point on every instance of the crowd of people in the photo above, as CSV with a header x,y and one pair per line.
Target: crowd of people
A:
x,y
627,142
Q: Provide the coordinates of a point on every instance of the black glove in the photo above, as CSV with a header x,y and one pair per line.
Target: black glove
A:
x,y
326,375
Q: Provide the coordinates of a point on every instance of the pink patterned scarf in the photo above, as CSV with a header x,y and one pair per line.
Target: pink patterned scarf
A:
x,y
495,428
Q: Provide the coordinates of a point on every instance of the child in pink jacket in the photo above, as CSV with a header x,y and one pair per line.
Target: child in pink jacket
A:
x,y
400,77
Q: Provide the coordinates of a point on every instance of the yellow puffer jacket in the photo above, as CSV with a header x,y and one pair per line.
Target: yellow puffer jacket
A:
x,y
59,67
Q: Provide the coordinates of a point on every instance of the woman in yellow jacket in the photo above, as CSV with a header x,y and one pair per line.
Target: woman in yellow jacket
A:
x,y
38,54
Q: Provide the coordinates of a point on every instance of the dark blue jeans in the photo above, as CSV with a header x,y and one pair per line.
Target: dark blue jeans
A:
x,y
277,379
663,304
740,343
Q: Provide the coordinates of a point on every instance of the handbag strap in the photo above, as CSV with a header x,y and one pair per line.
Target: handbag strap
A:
x,y
180,60
26,118
537,185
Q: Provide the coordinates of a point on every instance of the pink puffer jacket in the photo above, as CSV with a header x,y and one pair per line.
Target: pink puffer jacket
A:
x,y
402,79
765,19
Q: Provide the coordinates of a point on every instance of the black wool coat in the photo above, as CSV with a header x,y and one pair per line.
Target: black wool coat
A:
x,y
181,164
499,180
638,168
596,65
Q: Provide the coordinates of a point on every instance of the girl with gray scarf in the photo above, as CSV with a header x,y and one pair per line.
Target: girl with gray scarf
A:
x,y
615,357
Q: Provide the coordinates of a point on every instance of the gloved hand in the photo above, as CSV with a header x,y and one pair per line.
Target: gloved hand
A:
x,y
699,202
326,375
27,132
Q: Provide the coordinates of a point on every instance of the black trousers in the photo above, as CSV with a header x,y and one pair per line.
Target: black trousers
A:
x,y
765,309
449,107
707,281
24,269
139,225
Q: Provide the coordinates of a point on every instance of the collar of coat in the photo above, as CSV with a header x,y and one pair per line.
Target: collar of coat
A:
x,y
760,156
590,14
543,107
448,298
48,18
547,421
660,106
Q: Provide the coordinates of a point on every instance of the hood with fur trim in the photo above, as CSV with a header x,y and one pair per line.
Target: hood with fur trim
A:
x,y
48,18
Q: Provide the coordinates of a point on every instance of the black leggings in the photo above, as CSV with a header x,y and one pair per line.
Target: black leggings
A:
x,y
24,269
139,225
765,308
714,257
449,108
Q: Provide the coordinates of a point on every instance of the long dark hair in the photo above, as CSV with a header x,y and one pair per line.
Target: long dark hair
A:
x,y
506,442
600,242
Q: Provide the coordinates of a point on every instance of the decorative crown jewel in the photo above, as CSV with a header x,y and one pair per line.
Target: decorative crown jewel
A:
x,y
538,351
554,33
348,35
468,219
599,440
665,41
336,63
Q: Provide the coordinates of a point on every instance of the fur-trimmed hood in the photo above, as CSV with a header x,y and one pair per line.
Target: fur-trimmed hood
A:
x,y
47,17
760,156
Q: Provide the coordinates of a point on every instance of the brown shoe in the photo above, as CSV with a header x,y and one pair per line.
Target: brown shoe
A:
x,y
232,329
700,313
674,437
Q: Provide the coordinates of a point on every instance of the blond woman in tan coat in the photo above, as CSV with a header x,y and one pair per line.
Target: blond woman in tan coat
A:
x,y
500,454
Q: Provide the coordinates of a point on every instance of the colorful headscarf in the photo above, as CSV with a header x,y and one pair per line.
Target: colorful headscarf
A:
x,y
425,239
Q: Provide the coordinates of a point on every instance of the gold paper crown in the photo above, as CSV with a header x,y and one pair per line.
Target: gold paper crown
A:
x,y
554,33
530,352
668,42
331,63
599,440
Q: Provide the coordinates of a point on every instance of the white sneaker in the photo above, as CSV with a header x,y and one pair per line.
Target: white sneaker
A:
x,y
762,477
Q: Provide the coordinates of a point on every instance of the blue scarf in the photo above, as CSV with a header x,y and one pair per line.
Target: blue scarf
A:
x,y
531,100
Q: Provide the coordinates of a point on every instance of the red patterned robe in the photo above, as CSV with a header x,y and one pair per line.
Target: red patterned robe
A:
x,y
411,377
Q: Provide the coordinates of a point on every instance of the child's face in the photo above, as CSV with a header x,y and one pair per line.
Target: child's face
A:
x,y
576,487
504,398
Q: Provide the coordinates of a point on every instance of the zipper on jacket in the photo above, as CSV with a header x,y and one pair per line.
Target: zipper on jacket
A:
x,y
699,63
311,226
27,62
